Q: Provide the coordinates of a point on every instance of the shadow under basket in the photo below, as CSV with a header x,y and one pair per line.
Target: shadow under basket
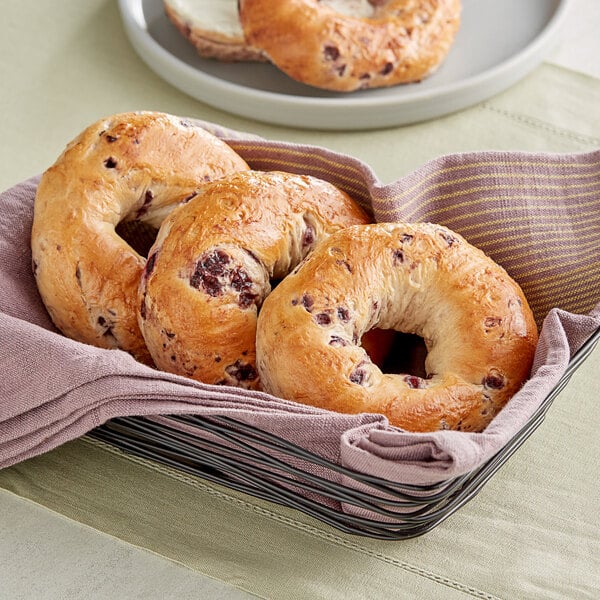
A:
x,y
258,463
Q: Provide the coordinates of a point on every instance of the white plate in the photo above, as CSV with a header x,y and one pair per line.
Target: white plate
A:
x,y
499,42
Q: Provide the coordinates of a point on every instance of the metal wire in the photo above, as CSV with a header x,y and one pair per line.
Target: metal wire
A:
x,y
253,461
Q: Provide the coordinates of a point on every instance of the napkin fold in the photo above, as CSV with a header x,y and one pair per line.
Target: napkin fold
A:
x,y
536,214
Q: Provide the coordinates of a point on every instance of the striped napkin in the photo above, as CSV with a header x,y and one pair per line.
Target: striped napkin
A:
x,y
538,215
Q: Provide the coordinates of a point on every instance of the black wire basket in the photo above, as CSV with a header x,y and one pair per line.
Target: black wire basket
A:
x,y
247,459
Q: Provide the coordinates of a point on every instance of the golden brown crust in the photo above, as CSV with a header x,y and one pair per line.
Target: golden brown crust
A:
x,y
421,279
213,262
404,40
131,166
209,41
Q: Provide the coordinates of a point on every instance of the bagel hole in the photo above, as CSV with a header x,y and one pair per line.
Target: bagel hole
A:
x,y
274,282
395,352
139,235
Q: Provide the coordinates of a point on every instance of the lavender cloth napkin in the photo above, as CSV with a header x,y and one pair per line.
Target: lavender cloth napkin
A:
x,y
538,215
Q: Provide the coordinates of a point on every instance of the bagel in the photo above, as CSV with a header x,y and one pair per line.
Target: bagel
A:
x,y
128,167
213,28
213,263
420,279
314,42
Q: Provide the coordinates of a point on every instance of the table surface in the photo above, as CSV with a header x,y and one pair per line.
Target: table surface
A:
x,y
60,71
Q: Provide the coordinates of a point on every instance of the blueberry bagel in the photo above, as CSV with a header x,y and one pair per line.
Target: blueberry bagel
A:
x,y
128,167
346,45
214,261
420,279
